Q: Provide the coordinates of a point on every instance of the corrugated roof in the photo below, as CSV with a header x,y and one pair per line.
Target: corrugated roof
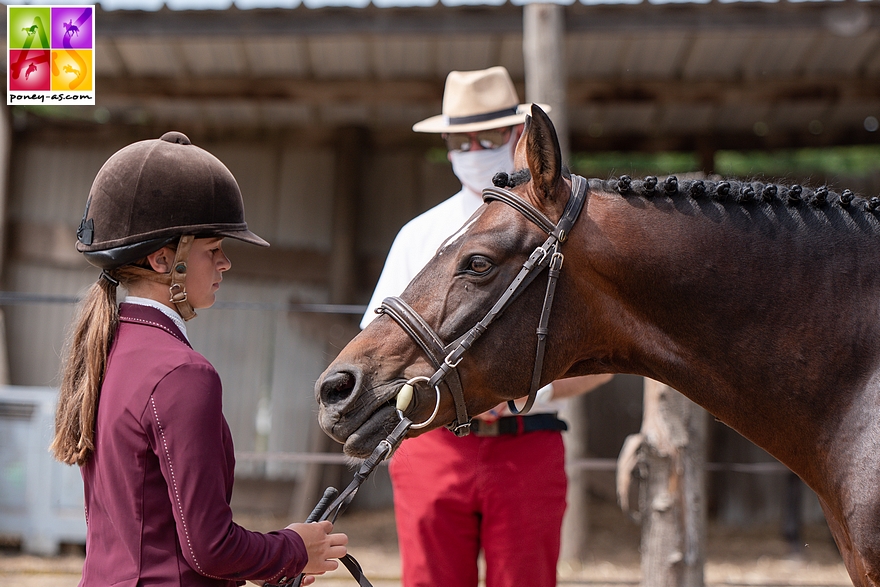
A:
x,y
640,76
154,5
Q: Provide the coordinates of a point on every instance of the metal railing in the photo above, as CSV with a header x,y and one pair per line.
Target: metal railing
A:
x,y
8,298
11,298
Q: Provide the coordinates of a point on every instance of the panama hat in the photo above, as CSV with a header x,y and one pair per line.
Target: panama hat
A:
x,y
477,100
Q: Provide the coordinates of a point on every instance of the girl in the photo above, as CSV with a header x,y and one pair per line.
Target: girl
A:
x,y
139,410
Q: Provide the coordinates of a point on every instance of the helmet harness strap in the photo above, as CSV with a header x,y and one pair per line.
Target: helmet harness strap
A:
x,y
178,279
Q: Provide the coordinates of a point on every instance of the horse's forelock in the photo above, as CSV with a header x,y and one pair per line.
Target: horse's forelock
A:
x,y
512,180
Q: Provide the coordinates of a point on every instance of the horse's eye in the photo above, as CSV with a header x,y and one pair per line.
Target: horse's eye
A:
x,y
479,265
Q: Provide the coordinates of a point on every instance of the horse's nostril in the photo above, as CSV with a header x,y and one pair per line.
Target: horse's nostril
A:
x,y
337,387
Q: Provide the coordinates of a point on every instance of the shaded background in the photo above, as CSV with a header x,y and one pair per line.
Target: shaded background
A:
x,y
311,106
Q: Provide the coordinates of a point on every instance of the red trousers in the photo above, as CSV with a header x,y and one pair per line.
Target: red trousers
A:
x,y
455,496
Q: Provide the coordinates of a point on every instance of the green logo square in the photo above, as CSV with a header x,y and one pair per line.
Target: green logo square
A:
x,y
29,27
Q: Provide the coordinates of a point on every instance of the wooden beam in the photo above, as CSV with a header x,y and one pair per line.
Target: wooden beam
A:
x,y
303,21
580,92
308,90
458,20
792,88
694,18
733,140
582,139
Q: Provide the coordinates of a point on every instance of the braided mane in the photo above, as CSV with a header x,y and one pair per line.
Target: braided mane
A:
x,y
729,191
740,192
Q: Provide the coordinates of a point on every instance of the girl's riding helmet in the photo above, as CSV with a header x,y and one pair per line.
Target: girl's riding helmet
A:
x,y
150,194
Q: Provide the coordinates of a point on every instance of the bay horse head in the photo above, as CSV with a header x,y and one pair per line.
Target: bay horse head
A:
x,y
432,336
760,302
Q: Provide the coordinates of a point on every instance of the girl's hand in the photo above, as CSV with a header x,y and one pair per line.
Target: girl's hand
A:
x,y
323,547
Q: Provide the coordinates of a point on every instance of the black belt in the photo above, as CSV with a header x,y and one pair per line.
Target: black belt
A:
x,y
517,425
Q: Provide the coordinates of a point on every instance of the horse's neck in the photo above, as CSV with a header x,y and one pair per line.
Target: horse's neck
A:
x,y
747,312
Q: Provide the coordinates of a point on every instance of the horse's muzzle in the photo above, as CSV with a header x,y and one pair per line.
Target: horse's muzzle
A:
x,y
337,393
336,387
351,412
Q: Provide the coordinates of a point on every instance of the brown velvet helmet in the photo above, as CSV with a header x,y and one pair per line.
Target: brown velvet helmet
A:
x,y
152,192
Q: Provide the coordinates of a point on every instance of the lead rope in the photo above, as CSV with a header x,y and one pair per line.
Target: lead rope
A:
x,y
333,503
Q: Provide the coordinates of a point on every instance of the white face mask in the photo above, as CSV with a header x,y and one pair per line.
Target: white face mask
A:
x,y
475,169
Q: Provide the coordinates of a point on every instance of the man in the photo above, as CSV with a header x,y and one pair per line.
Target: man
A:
x,y
502,488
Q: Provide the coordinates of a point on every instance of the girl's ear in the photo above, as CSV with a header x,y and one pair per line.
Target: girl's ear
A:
x,y
161,260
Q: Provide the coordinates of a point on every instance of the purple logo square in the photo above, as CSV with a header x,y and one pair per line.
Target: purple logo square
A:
x,y
72,27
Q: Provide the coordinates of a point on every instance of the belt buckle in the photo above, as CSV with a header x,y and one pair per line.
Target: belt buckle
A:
x,y
488,428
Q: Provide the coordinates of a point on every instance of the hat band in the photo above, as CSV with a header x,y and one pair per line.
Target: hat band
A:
x,y
481,117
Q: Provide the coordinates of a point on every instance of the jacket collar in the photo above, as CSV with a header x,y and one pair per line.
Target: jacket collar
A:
x,y
137,314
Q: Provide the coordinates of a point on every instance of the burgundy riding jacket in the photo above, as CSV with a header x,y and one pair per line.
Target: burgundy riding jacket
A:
x,y
159,483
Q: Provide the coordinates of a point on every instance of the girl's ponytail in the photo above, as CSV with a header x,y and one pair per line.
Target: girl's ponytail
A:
x,y
83,371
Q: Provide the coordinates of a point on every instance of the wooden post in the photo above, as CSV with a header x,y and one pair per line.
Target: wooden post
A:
x,y
350,148
544,59
575,523
5,166
546,83
670,454
706,155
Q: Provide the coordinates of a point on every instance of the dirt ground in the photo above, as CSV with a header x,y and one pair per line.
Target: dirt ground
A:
x,y
756,557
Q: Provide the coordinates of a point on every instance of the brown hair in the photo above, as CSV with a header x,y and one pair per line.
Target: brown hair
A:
x,y
82,372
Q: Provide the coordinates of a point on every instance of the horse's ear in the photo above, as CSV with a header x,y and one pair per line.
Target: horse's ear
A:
x,y
520,157
542,152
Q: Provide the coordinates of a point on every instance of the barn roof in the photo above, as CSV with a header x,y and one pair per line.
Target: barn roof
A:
x,y
641,76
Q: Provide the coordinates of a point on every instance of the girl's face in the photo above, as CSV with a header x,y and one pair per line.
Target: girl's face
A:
x,y
205,267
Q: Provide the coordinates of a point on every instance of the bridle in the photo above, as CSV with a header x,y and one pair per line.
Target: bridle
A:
x,y
446,357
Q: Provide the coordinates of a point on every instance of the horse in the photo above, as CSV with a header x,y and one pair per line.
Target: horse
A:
x,y
70,29
759,302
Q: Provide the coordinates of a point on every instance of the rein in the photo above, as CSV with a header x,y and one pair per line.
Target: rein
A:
x,y
446,358
333,503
